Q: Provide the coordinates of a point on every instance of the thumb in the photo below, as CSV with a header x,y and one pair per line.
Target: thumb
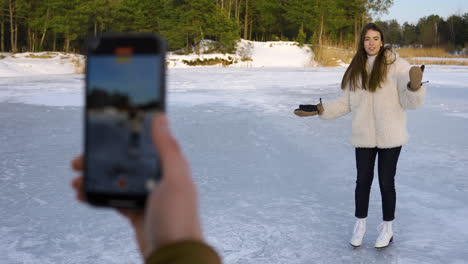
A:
x,y
166,146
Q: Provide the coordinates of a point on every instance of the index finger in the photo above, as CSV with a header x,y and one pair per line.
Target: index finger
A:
x,y
77,163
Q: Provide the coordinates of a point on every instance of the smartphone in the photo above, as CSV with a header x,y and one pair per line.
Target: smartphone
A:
x,y
125,87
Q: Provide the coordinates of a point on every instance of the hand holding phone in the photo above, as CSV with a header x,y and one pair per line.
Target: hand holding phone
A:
x,y
125,87
171,214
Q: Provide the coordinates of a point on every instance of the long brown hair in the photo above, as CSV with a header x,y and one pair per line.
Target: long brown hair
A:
x,y
357,68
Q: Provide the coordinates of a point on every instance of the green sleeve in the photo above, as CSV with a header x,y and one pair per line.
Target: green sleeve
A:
x,y
186,252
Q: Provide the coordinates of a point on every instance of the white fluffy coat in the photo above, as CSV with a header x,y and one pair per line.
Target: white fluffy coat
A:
x,y
379,118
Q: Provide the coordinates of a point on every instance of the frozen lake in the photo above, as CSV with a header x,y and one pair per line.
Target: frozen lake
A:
x,y
274,188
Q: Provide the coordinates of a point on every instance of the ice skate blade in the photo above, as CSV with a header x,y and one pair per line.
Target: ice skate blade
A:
x,y
354,246
391,240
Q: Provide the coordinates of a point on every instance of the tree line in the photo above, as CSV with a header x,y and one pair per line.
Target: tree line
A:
x,y
430,31
38,25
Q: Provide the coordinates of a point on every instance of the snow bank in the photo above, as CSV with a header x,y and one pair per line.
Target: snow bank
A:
x,y
248,54
440,59
40,63
253,54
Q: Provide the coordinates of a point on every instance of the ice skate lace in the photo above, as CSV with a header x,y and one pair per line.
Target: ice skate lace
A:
x,y
357,226
381,228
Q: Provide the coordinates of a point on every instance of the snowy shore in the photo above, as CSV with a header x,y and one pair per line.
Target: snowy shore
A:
x,y
249,54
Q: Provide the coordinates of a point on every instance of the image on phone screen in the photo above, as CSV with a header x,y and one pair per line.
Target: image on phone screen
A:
x,y
123,94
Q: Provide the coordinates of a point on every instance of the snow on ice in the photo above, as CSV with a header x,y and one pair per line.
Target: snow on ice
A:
x,y
274,188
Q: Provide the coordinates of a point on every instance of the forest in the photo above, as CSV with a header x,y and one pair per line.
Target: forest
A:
x,y
65,25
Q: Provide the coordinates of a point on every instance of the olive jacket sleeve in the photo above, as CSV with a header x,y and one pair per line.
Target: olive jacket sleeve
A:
x,y
184,252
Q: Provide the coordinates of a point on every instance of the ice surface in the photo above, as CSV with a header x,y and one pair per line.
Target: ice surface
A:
x,y
274,188
51,90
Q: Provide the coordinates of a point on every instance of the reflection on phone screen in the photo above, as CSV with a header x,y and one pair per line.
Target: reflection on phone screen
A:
x,y
123,93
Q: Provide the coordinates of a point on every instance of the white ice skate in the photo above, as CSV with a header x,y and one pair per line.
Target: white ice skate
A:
x,y
385,236
358,233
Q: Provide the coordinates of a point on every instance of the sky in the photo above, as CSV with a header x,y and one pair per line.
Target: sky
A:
x,y
412,11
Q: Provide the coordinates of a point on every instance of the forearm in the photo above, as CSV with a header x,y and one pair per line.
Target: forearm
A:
x,y
336,108
412,99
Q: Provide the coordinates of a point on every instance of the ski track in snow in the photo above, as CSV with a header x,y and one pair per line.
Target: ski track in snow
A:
x,y
274,188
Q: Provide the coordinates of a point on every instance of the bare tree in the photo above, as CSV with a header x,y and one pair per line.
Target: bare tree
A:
x,y
246,19
11,6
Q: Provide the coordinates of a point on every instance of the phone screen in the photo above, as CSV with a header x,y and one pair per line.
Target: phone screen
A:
x,y
123,93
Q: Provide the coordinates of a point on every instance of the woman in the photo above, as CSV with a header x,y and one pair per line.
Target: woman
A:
x,y
377,88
